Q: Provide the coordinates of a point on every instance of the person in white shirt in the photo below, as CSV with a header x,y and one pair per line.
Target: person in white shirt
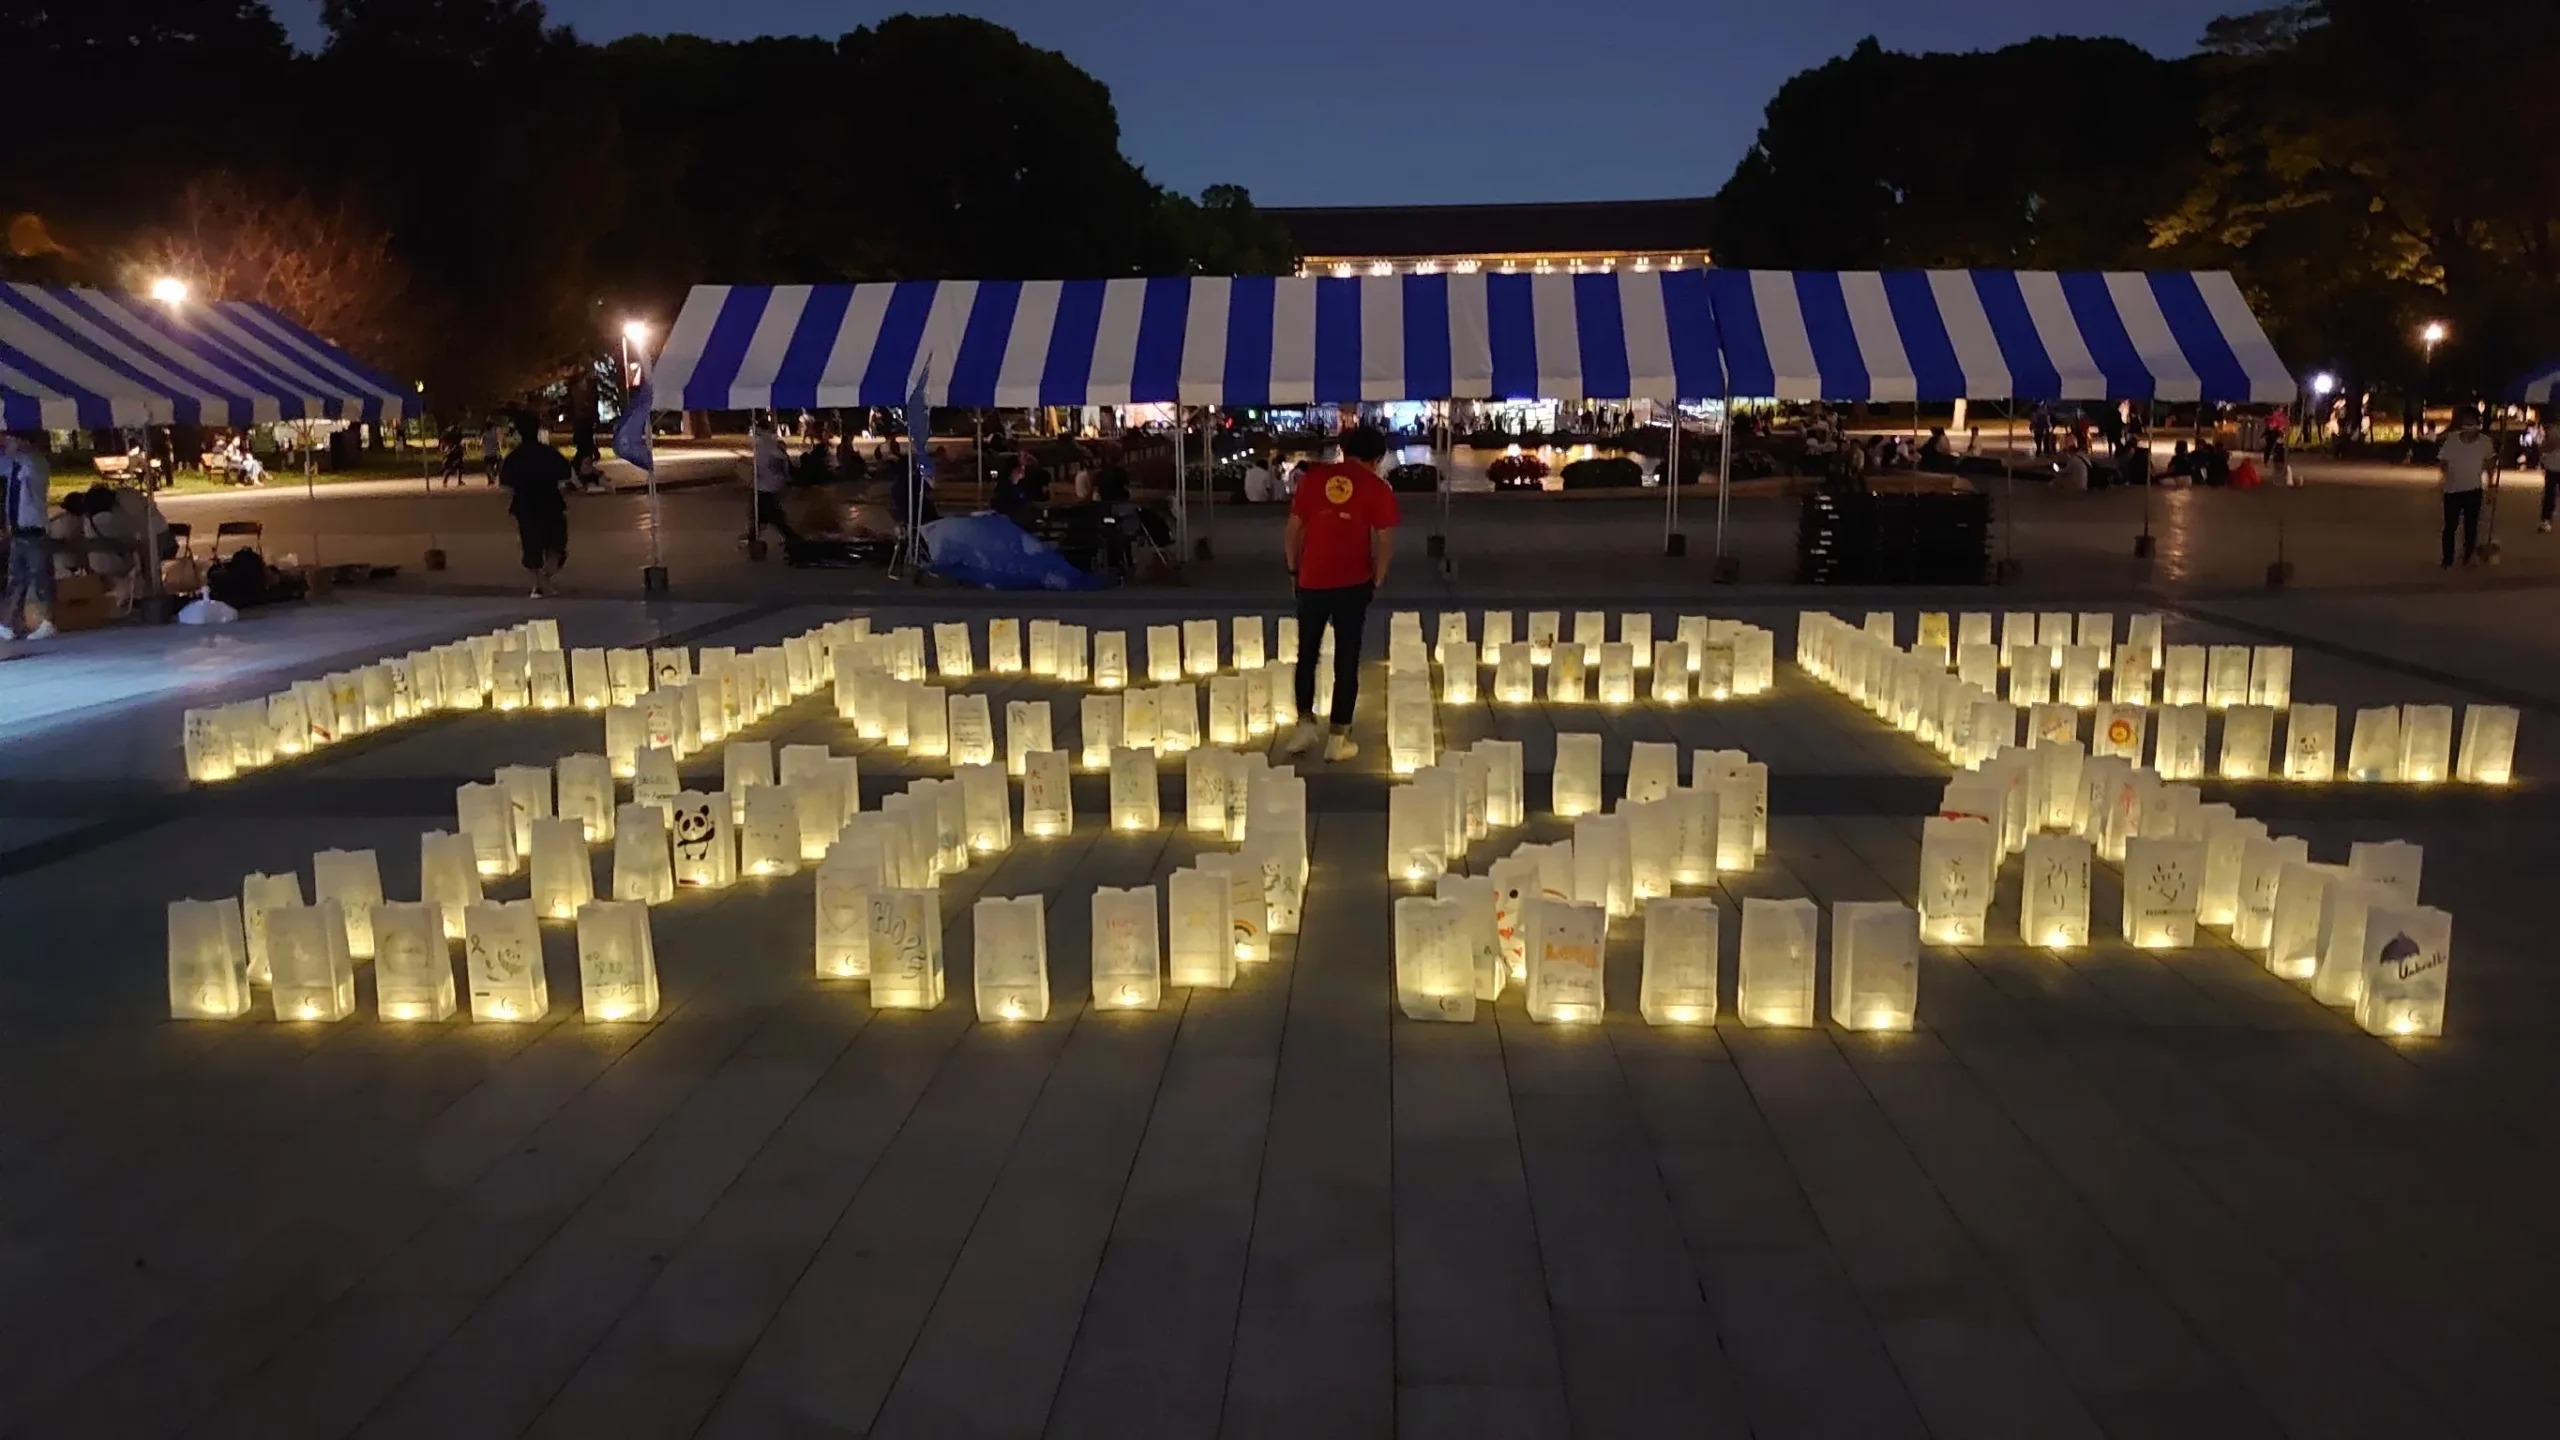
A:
x,y
772,476
26,506
2462,467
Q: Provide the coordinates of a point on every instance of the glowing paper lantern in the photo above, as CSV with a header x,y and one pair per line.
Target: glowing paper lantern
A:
x,y
1164,653
2488,754
2407,956
928,722
1680,962
1246,638
1260,686
1505,793
1110,659
1138,718
952,658
950,822
1434,963
2054,779
2161,881
1101,719
2078,685
1075,655
1755,667
1048,800
1512,684
208,960
1973,627
970,733
2248,738
1775,984
2337,977
2426,744
586,794
1576,780
2053,633
1133,789
2117,730
2311,743
502,948
2375,750
906,949
2226,841
1617,677
2030,675
1177,717
484,816
1992,728
208,748
528,792
353,878
1200,931
705,844
643,862
1004,645
2133,671
1412,736
1543,628
1226,710
1208,777
1671,673
626,676
2053,896
1128,971
1653,846
1012,958
1565,945
1694,821
413,964
986,802
1603,865
2293,935
1417,832
562,877
547,684
2052,724
2262,863
311,975
852,870
510,685
617,963
1199,647
1653,769
1959,867
2182,680
1875,965
2177,750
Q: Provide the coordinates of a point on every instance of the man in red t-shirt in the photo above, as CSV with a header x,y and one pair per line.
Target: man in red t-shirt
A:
x,y
1342,527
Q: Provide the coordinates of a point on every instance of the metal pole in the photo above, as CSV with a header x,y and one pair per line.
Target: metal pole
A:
x,y
1209,482
1671,539
1181,510
1725,566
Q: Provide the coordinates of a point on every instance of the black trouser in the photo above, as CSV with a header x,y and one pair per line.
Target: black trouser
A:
x,y
2462,507
2550,493
769,512
1346,609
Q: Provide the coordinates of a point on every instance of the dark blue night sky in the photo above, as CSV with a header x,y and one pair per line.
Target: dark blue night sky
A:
x,y
1318,102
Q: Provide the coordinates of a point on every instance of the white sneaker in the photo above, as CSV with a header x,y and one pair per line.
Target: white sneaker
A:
x,y
7,634
41,632
1340,747
1302,739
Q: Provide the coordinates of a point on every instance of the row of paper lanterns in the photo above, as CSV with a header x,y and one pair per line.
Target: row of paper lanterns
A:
x,y
1967,723
2356,932
1539,916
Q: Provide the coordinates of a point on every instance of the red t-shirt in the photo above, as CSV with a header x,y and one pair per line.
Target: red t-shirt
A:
x,y
1342,505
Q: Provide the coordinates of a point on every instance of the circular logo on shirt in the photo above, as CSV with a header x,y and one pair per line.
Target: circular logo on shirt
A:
x,y
1337,489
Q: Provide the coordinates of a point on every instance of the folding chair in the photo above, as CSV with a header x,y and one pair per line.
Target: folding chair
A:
x,y
247,532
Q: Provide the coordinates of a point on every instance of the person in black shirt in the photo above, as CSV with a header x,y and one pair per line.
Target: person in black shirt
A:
x,y
534,475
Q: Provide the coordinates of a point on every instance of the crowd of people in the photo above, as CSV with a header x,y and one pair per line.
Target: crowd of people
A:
x,y
114,533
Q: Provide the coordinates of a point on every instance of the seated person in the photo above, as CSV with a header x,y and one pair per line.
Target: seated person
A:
x,y
2073,474
1935,452
1259,484
2182,465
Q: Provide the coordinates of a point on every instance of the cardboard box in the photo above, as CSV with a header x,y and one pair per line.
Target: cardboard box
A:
x,y
81,602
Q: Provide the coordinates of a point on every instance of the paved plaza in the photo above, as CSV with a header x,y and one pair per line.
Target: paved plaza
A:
x,y
2109,1192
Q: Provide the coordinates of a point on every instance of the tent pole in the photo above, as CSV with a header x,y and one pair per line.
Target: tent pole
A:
x,y
1181,508
1727,568
1437,545
1673,542
2009,470
1208,549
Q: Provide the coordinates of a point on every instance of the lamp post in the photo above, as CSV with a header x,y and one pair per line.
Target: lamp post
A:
x,y
2428,338
635,338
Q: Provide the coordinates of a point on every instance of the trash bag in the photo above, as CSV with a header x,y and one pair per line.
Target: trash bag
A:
x,y
992,551
207,612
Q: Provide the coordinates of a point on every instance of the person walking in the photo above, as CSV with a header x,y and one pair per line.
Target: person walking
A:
x,y
2547,447
2462,467
493,449
25,497
452,455
1340,539
535,477
772,476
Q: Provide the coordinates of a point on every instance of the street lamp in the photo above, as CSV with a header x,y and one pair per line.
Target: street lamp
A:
x,y
2431,336
169,290
636,332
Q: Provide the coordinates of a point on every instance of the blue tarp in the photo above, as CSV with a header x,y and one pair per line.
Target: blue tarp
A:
x,y
992,551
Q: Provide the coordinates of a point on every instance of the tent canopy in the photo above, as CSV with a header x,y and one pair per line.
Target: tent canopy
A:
x,y
2539,386
1628,334
89,360
1197,340
1994,334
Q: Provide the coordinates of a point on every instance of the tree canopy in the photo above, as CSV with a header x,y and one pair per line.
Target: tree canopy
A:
x,y
470,194
2362,166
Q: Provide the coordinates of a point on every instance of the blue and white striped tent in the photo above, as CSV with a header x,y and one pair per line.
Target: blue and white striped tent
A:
x,y
1254,341
1994,334
89,360
2540,386
1658,335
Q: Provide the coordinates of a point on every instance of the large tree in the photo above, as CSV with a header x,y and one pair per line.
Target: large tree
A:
x,y
2378,163
2049,153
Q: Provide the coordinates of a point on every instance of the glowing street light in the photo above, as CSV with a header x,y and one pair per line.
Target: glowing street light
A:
x,y
2324,384
636,332
169,290
2433,336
